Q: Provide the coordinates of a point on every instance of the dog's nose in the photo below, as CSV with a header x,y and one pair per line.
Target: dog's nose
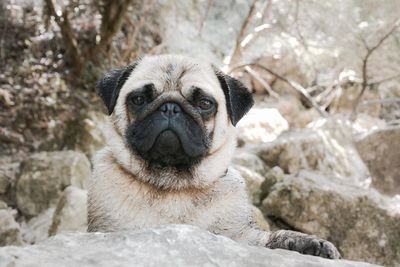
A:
x,y
170,109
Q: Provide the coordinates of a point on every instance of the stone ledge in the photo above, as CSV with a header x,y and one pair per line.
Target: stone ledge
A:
x,y
171,245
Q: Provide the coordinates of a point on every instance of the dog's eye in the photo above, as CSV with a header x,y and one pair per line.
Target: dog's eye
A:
x,y
138,100
205,104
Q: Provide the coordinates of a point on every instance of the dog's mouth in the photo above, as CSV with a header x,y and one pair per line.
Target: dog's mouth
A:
x,y
167,151
164,141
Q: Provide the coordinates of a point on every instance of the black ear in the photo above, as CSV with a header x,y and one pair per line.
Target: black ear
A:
x,y
238,98
108,88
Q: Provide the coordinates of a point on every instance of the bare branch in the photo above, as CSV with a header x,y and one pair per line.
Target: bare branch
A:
x,y
262,82
294,85
384,80
203,20
237,50
381,101
370,51
251,37
127,54
67,35
112,18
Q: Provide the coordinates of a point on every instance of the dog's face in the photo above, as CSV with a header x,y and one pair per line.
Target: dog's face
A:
x,y
174,119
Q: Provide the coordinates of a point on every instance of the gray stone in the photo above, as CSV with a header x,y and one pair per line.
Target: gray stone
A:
x,y
325,147
87,133
252,169
37,228
261,125
259,219
184,23
363,224
3,205
8,177
172,245
380,149
249,160
71,212
45,175
270,179
253,182
10,232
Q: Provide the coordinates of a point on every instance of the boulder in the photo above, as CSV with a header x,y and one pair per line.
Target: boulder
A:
x,y
87,133
261,125
292,109
259,219
8,177
171,245
253,182
37,228
380,149
273,176
252,169
10,232
363,224
45,175
3,205
250,160
326,146
71,212
195,22
390,91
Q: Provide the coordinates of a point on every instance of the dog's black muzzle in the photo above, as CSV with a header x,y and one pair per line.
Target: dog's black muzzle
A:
x,y
169,136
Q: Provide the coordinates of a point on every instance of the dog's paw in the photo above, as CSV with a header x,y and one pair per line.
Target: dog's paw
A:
x,y
305,244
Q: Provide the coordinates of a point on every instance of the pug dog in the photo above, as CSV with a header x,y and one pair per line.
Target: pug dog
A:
x,y
171,138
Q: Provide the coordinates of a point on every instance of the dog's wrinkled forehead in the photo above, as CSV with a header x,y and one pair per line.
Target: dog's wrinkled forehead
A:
x,y
173,73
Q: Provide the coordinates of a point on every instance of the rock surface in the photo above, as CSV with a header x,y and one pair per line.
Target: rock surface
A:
x,y
325,147
361,223
380,149
261,125
10,231
253,182
45,175
87,133
173,245
37,228
184,23
71,212
8,177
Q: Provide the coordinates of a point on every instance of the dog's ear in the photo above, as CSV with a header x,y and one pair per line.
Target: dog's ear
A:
x,y
109,86
238,98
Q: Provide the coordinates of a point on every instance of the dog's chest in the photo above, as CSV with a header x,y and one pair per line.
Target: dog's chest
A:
x,y
140,208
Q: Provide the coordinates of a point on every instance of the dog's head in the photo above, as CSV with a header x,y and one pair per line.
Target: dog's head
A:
x,y
173,118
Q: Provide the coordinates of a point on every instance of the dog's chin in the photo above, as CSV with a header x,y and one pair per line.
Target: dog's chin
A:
x,y
167,152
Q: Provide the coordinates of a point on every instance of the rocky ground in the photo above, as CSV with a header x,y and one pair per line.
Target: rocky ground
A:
x,y
312,180
332,177
174,245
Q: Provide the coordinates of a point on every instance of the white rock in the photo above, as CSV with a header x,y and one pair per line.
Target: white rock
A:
x,y
185,23
43,177
326,147
253,182
173,245
10,232
380,149
361,222
37,228
71,211
261,125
